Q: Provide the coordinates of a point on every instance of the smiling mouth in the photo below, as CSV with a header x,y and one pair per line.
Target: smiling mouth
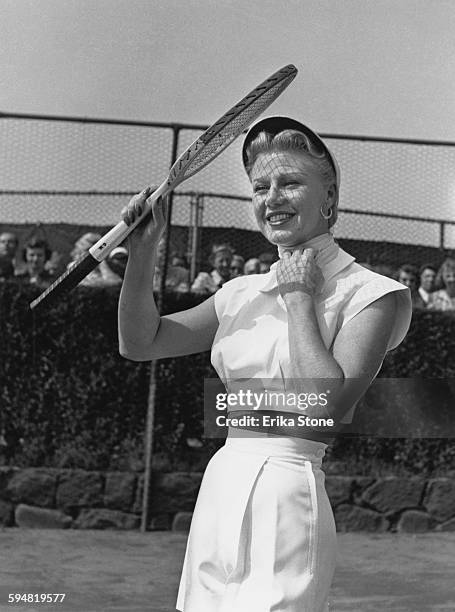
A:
x,y
279,218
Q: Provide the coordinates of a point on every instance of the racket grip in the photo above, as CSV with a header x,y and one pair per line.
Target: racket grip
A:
x,y
101,249
66,282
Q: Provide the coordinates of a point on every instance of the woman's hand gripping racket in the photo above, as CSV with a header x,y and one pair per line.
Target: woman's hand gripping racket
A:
x,y
200,153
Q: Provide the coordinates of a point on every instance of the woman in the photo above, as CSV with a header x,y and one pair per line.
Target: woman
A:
x,y
36,253
263,536
252,266
408,274
444,298
427,275
237,265
220,258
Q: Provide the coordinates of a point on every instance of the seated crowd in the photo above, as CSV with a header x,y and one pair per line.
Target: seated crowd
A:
x,y
431,288
37,265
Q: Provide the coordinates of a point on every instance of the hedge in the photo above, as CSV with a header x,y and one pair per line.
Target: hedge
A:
x,y
68,399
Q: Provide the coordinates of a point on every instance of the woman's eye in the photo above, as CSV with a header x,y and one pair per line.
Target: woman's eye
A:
x,y
259,188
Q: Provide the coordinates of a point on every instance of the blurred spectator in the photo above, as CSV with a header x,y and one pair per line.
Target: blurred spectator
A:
x,y
9,243
265,261
177,279
177,274
237,265
179,260
36,252
427,281
54,265
252,266
102,275
220,259
6,268
444,299
409,275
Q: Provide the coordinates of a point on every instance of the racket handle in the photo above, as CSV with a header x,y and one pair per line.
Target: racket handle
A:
x,y
101,249
95,255
66,282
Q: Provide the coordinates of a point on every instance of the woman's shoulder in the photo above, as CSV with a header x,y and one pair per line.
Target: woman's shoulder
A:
x,y
356,277
363,287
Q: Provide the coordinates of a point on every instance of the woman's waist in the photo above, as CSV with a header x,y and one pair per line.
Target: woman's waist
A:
x,y
271,445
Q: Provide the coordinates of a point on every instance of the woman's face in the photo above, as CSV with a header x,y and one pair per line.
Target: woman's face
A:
x,y
288,193
35,258
222,264
236,267
448,278
427,279
8,244
409,279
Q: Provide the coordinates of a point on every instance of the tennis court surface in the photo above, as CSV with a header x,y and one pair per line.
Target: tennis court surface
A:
x,y
104,571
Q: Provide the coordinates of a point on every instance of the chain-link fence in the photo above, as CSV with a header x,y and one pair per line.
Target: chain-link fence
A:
x,y
71,174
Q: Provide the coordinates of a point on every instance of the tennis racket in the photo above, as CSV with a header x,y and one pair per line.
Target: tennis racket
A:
x,y
200,153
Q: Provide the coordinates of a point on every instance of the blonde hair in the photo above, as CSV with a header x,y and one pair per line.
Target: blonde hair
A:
x,y
293,140
448,265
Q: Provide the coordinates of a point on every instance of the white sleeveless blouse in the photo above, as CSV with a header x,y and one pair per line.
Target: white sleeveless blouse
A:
x,y
252,338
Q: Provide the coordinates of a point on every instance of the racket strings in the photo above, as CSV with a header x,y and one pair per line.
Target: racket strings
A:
x,y
208,146
235,126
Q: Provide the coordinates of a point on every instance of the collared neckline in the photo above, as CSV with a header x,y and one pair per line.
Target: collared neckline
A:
x,y
332,259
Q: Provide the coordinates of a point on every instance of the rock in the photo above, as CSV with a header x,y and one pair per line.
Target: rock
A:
x,y
34,486
119,490
353,518
414,521
174,491
6,513
359,486
392,494
6,473
102,518
182,521
338,489
439,498
447,526
160,522
41,518
78,488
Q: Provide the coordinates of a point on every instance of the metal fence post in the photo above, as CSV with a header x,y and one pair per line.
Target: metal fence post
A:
x,y
150,420
196,210
441,235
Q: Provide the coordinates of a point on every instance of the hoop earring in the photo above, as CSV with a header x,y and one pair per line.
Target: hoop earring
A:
x,y
326,216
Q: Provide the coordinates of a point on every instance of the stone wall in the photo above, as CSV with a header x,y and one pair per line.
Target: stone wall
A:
x,y
59,498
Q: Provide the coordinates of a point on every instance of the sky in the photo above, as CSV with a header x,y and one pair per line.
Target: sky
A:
x,y
374,67
380,68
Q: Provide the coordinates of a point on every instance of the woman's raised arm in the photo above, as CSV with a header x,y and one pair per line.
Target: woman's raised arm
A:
x,y
143,334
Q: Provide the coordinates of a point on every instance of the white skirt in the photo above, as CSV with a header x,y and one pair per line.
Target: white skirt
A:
x,y
262,537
